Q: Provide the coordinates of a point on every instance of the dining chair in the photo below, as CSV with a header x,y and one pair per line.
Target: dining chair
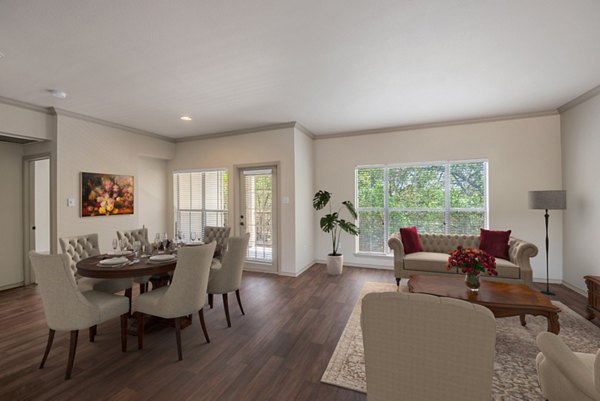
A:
x,y
227,277
186,294
68,309
83,246
129,237
421,347
220,235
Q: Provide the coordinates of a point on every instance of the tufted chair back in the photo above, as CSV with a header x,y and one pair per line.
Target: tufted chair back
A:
x,y
141,234
444,243
80,247
218,234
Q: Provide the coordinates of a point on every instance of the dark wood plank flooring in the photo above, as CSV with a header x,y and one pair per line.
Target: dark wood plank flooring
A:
x,y
278,351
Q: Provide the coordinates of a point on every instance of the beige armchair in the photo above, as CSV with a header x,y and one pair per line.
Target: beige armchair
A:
x,y
420,348
128,238
227,277
565,375
220,235
81,247
185,295
67,308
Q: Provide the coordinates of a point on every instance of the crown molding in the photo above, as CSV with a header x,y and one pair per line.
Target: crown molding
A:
x,y
264,128
439,124
67,113
579,99
305,130
25,105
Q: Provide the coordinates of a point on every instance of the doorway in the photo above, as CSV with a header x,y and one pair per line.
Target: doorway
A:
x,y
259,216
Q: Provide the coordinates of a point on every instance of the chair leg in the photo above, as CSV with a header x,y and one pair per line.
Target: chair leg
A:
x,y
92,333
226,306
178,337
140,332
210,300
142,288
128,295
237,295
124,332
201,314
72,349
48,346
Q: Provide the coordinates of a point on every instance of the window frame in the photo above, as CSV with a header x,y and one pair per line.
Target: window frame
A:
x,y
447,210
203,211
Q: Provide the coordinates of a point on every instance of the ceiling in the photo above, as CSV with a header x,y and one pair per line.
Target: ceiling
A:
x,y
334,66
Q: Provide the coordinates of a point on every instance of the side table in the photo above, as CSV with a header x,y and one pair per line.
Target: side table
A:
x,y
593,305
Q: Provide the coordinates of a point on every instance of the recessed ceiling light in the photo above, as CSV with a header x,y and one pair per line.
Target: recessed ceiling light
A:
x,y
58,94
1,55
185,118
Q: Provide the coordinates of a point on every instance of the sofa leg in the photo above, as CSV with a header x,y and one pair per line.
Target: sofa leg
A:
x,y
398,282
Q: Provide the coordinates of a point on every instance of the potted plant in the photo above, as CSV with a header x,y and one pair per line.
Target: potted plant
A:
x,y
332,223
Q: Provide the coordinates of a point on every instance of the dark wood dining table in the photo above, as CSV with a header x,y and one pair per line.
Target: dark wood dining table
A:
x,y
91,267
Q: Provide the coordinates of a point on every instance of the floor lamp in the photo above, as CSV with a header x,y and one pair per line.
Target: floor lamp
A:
x,y
547,200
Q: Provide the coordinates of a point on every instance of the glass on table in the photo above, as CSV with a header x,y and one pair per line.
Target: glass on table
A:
x,y
136,248
115,243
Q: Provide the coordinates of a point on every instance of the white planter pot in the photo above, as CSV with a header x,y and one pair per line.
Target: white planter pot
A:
x,y
335,264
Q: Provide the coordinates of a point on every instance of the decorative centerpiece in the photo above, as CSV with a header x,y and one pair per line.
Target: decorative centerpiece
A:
x,y
473,262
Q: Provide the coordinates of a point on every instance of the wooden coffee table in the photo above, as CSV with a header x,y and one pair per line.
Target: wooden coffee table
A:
x,y
502,299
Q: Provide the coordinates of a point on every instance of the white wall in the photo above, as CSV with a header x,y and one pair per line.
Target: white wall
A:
x,y
275,146
304,172
523,154
24,122
90,147
581,164
11,215
152,199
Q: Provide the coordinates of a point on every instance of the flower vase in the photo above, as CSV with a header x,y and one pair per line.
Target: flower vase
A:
x,y
472,282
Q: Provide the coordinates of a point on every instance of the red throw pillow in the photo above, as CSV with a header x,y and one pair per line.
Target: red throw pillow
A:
x,y
494,242
411,240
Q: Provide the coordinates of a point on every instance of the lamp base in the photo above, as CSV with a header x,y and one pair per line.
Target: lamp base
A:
x,y
547,292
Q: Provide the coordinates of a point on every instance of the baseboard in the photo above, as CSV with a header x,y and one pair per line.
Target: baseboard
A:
x,y
576,289
543,280
296,274
10,286
365,265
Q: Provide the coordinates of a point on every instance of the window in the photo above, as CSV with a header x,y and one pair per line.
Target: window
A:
x,y
200,200
440,197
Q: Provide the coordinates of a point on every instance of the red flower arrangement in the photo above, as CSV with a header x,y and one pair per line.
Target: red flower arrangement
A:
x,y
472,261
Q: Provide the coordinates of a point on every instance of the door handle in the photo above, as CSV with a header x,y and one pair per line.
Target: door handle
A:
x,y
33,228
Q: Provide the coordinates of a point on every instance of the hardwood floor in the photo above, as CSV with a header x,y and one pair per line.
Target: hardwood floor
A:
x,y
277,351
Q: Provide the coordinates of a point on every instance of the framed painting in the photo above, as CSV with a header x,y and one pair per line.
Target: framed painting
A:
x,y
106,194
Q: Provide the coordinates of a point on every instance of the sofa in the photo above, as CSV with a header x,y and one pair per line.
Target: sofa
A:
x,y
434,257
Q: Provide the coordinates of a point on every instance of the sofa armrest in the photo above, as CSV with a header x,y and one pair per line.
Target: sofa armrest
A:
x,y
395,244
519,252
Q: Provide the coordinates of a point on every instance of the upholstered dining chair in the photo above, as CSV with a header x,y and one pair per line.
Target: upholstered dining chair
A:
x,y
186,294
129,237
83,246
227,276
421,347
221,236
68,309
565,375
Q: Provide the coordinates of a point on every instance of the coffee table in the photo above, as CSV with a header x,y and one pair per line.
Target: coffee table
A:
x,y
502,299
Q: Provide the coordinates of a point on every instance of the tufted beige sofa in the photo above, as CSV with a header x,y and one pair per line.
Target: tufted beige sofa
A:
x,y
436,247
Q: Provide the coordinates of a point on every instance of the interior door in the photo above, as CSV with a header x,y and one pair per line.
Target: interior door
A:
x,y
258,216
38,210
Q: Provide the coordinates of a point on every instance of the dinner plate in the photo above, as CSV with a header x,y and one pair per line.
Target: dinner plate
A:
x,y
123,253
114,261
162,258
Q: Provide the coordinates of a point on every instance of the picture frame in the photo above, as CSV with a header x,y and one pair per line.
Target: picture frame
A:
x,y
106,194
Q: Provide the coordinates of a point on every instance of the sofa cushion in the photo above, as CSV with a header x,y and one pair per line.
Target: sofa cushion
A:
x,y
495,242
410,240
428,262
507,269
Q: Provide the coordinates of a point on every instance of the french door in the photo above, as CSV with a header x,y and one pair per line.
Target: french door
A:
x,y
258,216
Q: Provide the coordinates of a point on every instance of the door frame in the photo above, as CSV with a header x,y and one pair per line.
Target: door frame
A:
x,y
237,206
29,211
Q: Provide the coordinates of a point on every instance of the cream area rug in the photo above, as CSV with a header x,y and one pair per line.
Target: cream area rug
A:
x,y
515,377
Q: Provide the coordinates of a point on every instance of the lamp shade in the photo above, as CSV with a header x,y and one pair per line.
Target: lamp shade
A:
x,y
547,199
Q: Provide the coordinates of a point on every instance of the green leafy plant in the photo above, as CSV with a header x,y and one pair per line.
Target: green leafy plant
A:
x,y
331,222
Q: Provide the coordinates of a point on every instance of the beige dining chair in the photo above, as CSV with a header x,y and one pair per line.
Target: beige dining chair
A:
x,y
83,246
220,235
68,309
227,277
421,347
565,375
129,237
186,294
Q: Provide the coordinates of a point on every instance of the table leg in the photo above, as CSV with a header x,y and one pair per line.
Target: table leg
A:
x,y
553,325
522,318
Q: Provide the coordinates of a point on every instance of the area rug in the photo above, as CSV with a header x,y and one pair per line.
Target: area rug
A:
x,y
515,377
